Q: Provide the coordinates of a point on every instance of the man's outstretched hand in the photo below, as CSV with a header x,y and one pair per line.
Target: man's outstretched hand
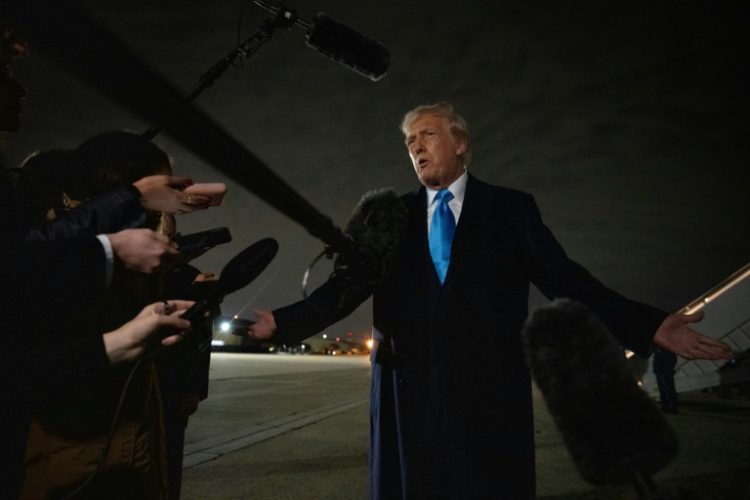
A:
x,y
264,326
675,335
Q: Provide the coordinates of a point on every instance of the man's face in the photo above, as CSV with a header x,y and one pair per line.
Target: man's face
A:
x,y
434,151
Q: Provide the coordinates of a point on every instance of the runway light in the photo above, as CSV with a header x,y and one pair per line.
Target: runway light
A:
x,y
225,326
369,343
325,336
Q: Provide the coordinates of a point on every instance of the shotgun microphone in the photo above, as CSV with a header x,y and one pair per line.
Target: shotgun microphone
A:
x,y
339,42
348,47
614,432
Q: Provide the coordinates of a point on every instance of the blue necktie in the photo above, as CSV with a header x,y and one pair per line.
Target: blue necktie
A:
x,y
441,233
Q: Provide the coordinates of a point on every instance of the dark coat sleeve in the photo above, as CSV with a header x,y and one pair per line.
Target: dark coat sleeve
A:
x,y
331,302
41,286
113,211
632,323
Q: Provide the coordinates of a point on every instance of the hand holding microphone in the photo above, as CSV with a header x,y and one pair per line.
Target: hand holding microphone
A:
x,y
238,273
129,341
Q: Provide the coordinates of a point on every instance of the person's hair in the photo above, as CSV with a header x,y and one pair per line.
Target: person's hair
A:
x,y
113,158
457,123
41,180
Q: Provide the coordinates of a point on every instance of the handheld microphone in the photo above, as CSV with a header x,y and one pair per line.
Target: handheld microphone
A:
x,y
238,273
339,42
613,431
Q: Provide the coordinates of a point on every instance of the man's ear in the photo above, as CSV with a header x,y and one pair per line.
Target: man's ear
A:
x,y
460,147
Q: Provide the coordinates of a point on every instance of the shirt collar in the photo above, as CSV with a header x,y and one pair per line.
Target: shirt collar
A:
x,y
457,189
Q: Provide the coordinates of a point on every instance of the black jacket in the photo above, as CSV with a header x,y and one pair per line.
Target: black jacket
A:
x,y
451,410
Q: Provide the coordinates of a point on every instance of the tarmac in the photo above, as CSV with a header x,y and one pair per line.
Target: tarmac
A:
x,y
296,427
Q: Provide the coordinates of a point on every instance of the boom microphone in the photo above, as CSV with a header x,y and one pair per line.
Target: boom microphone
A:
x,y
348,47
238,273
613,431
340,43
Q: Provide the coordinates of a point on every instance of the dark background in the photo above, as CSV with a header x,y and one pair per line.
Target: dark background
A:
x,y
627,120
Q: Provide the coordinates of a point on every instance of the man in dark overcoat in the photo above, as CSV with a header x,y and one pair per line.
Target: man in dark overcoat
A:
x,y
451,409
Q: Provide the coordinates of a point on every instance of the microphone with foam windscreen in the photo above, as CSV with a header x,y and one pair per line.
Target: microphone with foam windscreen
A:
x,y
238,273
613,431
339,42
374,232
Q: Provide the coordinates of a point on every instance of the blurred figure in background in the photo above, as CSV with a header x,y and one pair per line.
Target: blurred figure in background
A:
x,y
664,362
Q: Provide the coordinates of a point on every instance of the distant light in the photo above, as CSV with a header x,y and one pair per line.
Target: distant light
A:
x,y
236,316
349,334
325,336
225,326
369,343
629,354
217,342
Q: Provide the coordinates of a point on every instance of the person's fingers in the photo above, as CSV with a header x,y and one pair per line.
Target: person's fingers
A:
x,y
692,318
703,339
171,340
179,182
180,305
171,250
262,313
173,320
195,199
715,347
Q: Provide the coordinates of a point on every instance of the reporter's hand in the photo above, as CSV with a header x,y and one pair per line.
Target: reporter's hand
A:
x,y
142,250
264,326
163,193
129,341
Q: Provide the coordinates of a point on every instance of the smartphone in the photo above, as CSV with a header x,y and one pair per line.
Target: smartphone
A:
x,y
203,240
213,190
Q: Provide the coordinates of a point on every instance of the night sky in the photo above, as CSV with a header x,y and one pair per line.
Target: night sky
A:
x,y
628,121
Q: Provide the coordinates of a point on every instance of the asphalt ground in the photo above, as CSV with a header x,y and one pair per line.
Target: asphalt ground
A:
x,y
296,427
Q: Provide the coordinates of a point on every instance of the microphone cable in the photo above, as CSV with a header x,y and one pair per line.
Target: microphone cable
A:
x,y
110,435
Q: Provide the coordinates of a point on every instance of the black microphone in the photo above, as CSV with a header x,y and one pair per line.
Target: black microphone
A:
x,y
348,47
613,431
238,273
340,42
